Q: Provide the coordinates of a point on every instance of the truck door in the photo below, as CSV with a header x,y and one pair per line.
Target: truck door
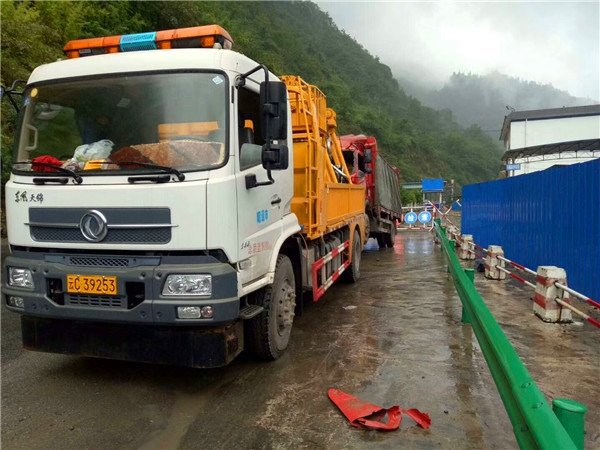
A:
x,y
261,208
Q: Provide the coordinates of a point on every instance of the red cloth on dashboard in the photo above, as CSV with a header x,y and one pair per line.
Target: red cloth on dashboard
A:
x,y
47,159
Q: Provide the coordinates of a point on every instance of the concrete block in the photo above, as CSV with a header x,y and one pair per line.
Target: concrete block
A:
x,y
544,305
451,233
466,244
491,261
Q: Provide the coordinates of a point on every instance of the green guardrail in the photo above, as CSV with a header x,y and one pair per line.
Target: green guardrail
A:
x,y
535,424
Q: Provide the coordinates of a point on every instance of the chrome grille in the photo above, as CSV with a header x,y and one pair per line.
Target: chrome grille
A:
x,y
125,225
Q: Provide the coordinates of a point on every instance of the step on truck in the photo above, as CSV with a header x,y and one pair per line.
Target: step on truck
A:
x,y
383,200
172,201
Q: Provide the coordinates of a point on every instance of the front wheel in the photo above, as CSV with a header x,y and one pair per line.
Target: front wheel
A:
x,y
268,334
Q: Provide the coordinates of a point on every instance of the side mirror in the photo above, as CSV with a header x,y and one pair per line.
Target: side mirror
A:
x,y
13,90
368,156
251,181
273,98
275,157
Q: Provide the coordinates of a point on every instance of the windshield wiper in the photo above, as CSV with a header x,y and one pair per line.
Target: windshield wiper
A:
x,y
70,172
172,170
152,178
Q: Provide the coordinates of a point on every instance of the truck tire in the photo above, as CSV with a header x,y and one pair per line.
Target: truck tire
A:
x,y
387,239
390,237
352,273
268,334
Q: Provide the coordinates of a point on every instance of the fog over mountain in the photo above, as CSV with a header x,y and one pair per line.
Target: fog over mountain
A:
x,y
485,100
549,42
480,59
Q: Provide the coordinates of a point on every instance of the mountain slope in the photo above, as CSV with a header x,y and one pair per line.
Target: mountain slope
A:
x,y
290,38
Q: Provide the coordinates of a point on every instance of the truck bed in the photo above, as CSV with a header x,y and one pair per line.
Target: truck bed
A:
x,y
387,187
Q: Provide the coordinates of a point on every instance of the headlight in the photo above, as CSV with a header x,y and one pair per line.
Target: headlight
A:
x,y
19,277
188,284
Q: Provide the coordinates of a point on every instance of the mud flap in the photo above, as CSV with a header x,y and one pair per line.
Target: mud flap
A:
x,y
180,346
366,415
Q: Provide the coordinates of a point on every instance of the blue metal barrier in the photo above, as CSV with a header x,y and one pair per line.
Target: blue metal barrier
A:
x,y
551,217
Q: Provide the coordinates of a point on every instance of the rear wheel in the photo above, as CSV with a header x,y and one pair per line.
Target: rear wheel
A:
x,y
268,334
390,237
352,273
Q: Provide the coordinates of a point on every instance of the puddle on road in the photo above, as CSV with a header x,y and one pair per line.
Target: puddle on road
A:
x,y
407,242
184,412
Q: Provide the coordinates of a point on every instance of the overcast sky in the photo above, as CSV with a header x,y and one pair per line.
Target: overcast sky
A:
x,y
554,43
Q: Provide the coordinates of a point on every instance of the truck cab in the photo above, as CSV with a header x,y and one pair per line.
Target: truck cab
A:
x,y
128,200
154,201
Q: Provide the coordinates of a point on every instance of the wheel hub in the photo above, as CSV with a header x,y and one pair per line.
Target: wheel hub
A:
x,y
287,304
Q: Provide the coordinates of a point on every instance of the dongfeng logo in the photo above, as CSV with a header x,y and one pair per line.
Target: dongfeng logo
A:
x,y
93,226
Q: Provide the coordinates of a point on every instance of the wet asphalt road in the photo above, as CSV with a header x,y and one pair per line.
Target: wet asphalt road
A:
x,y
394,338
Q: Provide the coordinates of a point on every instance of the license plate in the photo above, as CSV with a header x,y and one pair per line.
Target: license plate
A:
x,y
91,284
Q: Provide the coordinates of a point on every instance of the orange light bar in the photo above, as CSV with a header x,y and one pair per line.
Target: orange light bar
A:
x,y
206,36
92,46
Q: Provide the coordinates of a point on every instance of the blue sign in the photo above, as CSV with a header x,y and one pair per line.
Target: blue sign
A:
x,y
435,185
410,218
513,166
424,217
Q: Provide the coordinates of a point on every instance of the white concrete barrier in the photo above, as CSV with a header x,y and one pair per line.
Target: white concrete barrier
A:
x,y
544,305
491,261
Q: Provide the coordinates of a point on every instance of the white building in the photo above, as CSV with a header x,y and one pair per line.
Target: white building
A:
x,y
539,139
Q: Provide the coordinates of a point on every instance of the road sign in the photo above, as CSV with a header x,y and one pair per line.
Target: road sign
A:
x,y
513,166
432,185
410,218
424,217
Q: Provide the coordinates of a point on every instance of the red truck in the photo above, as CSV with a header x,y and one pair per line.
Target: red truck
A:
x,y
383,202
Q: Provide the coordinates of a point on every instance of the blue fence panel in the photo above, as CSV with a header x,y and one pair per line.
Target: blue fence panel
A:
x,y
546,218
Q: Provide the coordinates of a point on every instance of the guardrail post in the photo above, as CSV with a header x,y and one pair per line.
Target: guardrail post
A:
x,y
443,231
467,240
436,237
546,291
571,414
492,260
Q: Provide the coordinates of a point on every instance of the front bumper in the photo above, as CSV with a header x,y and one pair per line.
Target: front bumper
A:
x,y
140,281
179,346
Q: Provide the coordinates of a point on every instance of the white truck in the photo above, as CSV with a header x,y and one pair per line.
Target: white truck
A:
x,y
172,200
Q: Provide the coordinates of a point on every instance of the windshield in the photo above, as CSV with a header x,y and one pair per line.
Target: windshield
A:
x,y
172,120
